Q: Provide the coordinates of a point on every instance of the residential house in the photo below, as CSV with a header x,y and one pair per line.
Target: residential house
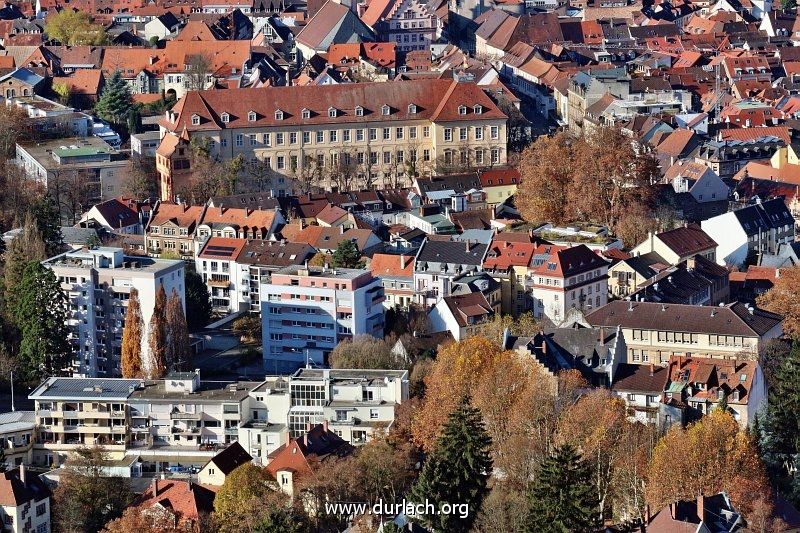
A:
x,y
679,244
508,261
461,314
499,184
257,261
307,311
438,262
235,222
24,502
216,263
641,388
326,240
333,23
20,82
396,273
171,230
747,232
654,332
699,192
715,514
184,503
84,86
697,281
215,471
118,215
17,433
411,24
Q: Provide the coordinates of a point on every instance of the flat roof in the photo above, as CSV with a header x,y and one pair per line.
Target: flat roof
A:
x,y
85,389
333,273
354,376
209,391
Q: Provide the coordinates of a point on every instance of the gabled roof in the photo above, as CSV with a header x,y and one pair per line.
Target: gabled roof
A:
x,y
330,214
231,458
687,240
274,254
118,212
83,81
394,266
236,216
649,379
319,443
222,248
181,215
333,22
465,307
13,492
562,261
186,499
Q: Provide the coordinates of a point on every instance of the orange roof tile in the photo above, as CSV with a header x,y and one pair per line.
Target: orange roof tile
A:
x,y
392,265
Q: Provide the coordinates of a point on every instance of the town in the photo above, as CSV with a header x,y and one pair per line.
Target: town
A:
x,y
386,266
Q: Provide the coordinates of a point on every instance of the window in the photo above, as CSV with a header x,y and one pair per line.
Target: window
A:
x,y
332,112
448,134
41,509
385,110
359,135
387,158
333,136
239,139
346,136
387,134
306,113
320,137
292,137
306,137
412,132
479,156
266,138
412,109
279,138
225,118
398,133
281,162
426,131
251,116
477,109
373,414
495,132
462,134
495,155
462,110
278,115
478,133
373,134
195,120
253,141
359,111
426,155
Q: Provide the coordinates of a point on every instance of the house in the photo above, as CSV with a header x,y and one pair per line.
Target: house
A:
x,y
83,86
118,215
17,433
628,273
679,244
707,191
696,281
701,383
641,388
217,469
296,460
499,184
715,514
161,26
747,232
216,263
333,23
396,273
654,332
172,228
326,240
20,82
507,261
461,314
412,24
24,502
438,262
185,502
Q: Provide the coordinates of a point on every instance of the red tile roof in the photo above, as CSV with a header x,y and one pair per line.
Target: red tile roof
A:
x,y
83,81
181,215
222,248
504,254
187,500
392,265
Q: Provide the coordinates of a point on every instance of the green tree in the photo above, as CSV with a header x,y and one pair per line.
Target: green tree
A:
x,y
63,91
347,255
3,460
132,338
456,471
245,501
40,312
177,352
789,5
115,101
27,246
48,221
157,336
198,302
71,27
86,498
562,498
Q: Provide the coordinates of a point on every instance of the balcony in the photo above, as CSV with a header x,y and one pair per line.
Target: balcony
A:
x,y
185,431
185,416
232,431
219,282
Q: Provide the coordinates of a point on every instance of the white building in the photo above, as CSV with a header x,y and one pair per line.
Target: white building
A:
x,y
25,502
98,283
17,431
306,312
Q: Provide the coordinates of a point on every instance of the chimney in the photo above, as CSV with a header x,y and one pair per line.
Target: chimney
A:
x,y
701,507
305,440
652,369
466,245
154,487
221,209
341,230
22,474
646,514
325,425
544,347
402,261
602,336
288,439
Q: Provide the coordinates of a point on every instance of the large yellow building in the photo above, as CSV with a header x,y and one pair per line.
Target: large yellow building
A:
x,y
336,137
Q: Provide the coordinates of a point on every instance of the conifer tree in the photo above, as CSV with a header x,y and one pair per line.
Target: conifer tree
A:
x,y
40,312
48,221
132,338
115,102
562,498
27,246
177,353
347,255
456,470
157,336
198,302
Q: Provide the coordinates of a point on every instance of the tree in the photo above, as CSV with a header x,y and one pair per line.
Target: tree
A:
x,y
152,520
71,28
494,328
26,247
157,337
115,101
64,92
562,497
783,298
248,328
86,498
131,357
504,510
714,455
456,471
771,358
177,349
365,351
14,127
198,302
789,5
142,181
198,70
239,503
48,221
347,255
40,312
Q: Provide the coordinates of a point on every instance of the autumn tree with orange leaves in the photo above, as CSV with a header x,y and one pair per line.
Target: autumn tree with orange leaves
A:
x,y
783,299
710,456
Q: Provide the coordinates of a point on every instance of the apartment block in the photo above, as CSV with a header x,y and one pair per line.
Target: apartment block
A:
x,y
98,283
368,130
307,311
17,432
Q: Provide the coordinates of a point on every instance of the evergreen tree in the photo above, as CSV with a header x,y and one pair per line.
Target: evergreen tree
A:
x,y
177,353
40,311
347,255
115,102
722,404
562,499
27,246
132,338
157,336
48,221
456,470
198,302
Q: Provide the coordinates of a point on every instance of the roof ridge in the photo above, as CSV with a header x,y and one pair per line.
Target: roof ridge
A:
x,y
444,100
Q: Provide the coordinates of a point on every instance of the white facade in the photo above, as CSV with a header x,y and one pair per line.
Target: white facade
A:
x,y
98,284
554,296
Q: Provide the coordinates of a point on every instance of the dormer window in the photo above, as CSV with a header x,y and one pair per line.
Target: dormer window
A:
x,y
385,110
251,116
359,111
462,110
332,113
278,115
225,118
306,113
195,120
412,109
477,109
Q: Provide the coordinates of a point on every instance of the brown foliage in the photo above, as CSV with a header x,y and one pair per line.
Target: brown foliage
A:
x,y
157,337
784,298
154,520
132,338
365,351
547,169
710,456
177,349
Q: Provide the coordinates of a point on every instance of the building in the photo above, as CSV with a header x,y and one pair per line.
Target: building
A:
x,y
508,261
184,502
89,161
17,433
696,281
642,388
98,283
307,311
118,215
370,127
396,273
679,244
217,469
438,262
563,278
145,144
216,263
751,231
25,502
460,314
654,332
411,24
171,230
715,514
76,412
